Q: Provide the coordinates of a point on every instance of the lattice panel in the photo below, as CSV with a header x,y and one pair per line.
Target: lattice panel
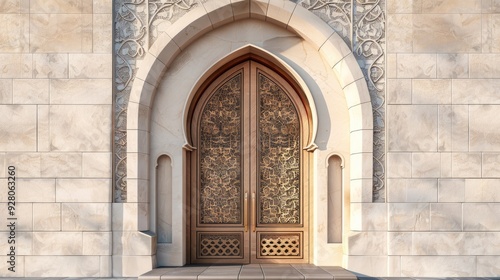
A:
x,y
220,245
282,245
279,164
220,155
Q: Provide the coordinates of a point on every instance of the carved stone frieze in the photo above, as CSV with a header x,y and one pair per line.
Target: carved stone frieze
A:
x,y
369,48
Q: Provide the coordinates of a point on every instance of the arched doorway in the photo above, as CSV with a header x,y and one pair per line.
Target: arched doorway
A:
x,y
249,171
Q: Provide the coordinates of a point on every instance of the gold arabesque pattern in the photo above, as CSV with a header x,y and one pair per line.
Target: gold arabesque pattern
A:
x,y
279,163
220,155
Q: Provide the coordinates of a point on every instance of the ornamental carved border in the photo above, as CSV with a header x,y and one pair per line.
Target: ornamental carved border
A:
x,y
138,23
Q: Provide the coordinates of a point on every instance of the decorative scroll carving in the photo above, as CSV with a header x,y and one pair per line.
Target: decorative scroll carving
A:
x,y
130,35
279,168
220,155
162,13
220,245
283,245
369,45
337,13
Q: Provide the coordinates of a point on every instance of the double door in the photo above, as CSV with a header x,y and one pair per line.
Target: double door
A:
x,y
249,170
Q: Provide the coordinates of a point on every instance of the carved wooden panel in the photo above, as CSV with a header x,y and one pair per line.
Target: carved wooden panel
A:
x,y
279,164
280,245
220,244
220,155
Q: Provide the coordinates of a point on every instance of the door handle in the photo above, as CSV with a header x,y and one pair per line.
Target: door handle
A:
x,y
245,214
254,209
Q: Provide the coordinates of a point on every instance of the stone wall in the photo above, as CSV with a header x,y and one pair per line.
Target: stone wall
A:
x,y
443,144
55,129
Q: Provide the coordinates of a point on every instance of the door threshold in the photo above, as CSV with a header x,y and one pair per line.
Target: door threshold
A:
x,y
249,272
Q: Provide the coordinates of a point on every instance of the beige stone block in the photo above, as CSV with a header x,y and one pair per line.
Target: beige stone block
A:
x,y
86,216
446,217
392,66
27,164
487,266
16,65
241,9
88,66
14,6
361,117
399,243
83,190
462,89
347,70
55,266
220,12
482,190
102,33
137,166
87,33
451,6
484,133
50,65
96,165
102,7
334,50
137,141
97,243
415,66
367,243
56,32
362,190
481,243
132,216
445,128
375,266
484,66
460,128
23,213
365,162
23,243
61,165
398,165
452,65
46,216
446,167
3,166
59,6
133,243
447,33
443,243
81,91
141,122
35,190
43,143
435,91
368,217
131,266
17,128
412,190
451,190
425,165
5,91
438,266
405,123
4,265
490,165
491,32
491,6
394,266
404,6
57,243
137,190
14,32
466,165
400,37
481,216
399,91
80,128
30,91
409,217
106,266
361,141
189,27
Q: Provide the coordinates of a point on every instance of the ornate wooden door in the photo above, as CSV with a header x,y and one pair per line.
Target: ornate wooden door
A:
x,y
249,170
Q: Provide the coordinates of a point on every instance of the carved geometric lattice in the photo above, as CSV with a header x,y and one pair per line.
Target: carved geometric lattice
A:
x,y
285,245
279,164
220,245
220,155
